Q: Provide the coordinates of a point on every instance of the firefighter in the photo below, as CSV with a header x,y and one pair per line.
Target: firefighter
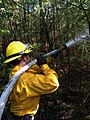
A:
x,y
39,79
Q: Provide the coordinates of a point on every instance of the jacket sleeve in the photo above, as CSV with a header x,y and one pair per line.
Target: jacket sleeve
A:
x,y
44,84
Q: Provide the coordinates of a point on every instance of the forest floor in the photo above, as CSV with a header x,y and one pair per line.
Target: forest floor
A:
x,y
73,102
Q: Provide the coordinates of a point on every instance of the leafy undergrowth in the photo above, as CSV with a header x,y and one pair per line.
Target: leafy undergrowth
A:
x,y
72,99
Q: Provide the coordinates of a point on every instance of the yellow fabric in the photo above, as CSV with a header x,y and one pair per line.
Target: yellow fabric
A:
x,y
26,93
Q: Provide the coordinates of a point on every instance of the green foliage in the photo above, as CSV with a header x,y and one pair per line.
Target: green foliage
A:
x,y
4,73
6,14
4,31
47,24
35,46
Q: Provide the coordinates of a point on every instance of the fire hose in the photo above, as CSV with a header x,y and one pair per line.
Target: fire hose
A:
x,y
8,88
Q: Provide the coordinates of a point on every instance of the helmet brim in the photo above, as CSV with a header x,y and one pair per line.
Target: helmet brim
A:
x,y
13,58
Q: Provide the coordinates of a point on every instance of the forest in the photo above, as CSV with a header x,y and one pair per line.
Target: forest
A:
x,y
47,25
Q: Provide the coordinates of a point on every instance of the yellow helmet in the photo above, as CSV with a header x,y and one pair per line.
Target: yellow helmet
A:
x,y
15,50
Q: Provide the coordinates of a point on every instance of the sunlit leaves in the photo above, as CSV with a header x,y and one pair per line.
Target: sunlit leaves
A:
x,y
0,1
4,31
17,0
35,45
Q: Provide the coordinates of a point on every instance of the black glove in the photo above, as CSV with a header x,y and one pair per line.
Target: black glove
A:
x,y
41,60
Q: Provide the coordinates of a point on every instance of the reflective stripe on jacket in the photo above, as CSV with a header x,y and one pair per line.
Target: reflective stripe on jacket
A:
x,y
26,93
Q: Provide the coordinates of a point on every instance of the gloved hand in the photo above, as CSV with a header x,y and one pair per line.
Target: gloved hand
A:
x,y
41,60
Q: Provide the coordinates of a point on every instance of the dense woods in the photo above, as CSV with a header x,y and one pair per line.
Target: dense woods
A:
x,y
46,25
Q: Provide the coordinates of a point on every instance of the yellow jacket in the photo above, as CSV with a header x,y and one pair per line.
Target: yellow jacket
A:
x,y
26,93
